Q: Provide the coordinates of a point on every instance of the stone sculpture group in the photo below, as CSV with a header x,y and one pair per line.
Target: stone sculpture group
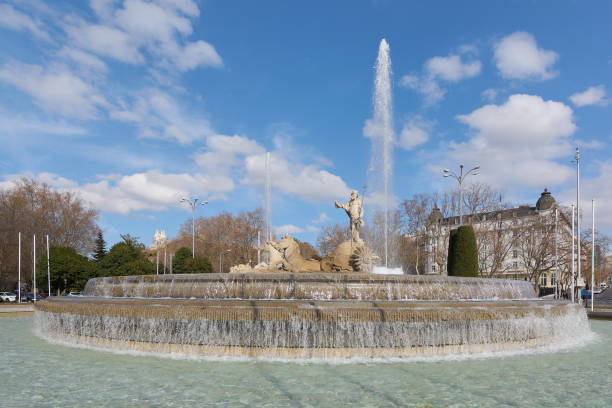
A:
x,y
350,256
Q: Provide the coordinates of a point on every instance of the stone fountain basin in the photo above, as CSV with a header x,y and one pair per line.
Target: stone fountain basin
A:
x,y
306,328
309,286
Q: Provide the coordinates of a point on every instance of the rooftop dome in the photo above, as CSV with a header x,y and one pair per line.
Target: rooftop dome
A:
x,y
546,201
435,217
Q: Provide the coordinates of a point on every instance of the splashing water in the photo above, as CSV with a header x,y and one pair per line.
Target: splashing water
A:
x,y
380,131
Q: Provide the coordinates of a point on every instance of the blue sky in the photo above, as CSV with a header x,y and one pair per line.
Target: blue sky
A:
x,y
134,104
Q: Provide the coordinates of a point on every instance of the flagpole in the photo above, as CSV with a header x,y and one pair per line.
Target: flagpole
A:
x,y
573,255
48,269
19,269
34,269
593,257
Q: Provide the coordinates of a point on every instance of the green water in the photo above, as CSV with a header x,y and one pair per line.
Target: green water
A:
x,y
39,374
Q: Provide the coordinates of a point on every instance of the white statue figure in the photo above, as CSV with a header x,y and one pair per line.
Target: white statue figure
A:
x,y
354,209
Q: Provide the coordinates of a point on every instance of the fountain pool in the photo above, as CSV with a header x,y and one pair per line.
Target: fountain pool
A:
x,y
48,375
308,316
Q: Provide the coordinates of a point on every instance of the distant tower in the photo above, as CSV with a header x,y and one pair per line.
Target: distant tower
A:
x,y
159,240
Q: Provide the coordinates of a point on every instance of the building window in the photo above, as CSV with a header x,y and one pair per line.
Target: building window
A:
x,y
543,280
544,230
499,233
514,265
514,253
433,268
514,233
553,279
515,221
499,224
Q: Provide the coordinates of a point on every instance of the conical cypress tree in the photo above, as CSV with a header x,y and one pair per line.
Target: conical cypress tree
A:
x,y
100,251
450,259
463,252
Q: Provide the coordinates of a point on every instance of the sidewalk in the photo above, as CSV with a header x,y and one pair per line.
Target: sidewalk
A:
x,y
15,310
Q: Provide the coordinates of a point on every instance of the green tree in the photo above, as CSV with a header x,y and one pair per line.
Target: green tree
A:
x,y
198,265
450,259
100,251
463,252
69,270
126,258
180,259
184,262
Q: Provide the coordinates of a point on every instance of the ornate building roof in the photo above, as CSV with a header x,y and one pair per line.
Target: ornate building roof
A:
x,y
546,201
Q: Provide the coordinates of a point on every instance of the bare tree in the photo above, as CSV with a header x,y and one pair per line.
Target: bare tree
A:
x,y
232,238
31,207
331,236
420,237
536,248
602,246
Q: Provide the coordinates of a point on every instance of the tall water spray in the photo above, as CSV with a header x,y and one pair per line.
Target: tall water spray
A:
x,y
380,131
268,199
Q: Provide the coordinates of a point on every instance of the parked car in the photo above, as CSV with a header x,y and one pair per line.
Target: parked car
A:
x,y
30,297
24,297
8,297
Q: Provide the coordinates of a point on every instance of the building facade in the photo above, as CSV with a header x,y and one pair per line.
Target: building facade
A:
x,y
525,242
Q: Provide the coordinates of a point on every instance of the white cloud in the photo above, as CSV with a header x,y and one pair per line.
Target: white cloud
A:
x,y
244,157
16,20
597,188
55,89
16,124
426,86
159,116
290,177
450,69
127,32
321,219
224,152
518,56
595,95
106,41
287,229
518,142
151,190
84,59
414,133
489,95
196,54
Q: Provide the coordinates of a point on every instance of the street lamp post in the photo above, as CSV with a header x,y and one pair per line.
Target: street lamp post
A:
x,y
221,259
579,254
460,178
193,203
573,253
593,257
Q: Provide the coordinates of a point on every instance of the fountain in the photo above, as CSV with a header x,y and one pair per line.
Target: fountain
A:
x,y
291,307
380,131
299,308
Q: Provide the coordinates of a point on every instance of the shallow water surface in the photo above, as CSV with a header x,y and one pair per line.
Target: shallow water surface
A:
x,y
49,375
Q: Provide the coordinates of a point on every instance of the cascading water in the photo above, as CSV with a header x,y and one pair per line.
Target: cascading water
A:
x,y
380,131
310,315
